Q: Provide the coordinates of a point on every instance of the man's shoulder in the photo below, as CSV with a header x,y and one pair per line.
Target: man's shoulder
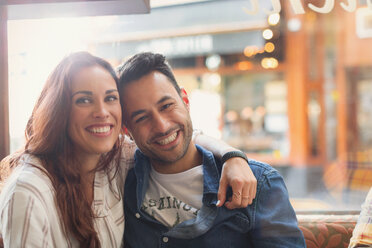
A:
x,y
130,176
258,168
261,169
130,183
259,165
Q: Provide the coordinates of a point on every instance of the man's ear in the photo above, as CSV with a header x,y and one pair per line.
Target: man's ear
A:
x,y
126,132
185,98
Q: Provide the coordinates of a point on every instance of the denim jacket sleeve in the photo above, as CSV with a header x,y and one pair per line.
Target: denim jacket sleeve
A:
x,y
274,221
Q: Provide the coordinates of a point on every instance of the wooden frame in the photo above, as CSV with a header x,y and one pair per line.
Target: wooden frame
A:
x,y
4,108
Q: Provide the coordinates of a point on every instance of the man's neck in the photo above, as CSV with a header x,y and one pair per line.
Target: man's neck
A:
x,y
191,159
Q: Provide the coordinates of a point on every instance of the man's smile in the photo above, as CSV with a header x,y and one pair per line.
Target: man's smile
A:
x,y
168,140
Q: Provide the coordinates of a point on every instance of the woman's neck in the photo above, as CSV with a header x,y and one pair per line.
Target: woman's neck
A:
x,y
88,164
88,168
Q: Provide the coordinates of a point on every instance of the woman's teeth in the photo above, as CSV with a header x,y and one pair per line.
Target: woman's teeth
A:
x,y
104,129
168,140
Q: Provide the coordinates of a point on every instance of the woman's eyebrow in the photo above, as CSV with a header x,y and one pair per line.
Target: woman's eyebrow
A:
x,y
110,91
85,92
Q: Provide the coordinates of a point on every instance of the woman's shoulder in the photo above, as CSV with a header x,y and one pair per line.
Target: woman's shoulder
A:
x,y
127,154
129,146
28,206
29,179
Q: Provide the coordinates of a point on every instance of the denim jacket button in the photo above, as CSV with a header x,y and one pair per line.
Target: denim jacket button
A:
x,y
165,239
138,215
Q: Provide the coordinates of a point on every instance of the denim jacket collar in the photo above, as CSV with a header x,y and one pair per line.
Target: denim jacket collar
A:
x,y
204,220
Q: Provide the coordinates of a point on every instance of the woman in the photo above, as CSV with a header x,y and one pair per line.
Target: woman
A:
x,y
71,136
66,186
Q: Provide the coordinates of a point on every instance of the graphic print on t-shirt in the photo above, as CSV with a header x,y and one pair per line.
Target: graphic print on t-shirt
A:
x,y
174,198
172,208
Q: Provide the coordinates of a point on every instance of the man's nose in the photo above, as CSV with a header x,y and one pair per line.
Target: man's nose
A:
x,y
161,124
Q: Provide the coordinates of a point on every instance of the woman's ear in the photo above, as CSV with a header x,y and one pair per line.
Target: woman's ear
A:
x,y
185,98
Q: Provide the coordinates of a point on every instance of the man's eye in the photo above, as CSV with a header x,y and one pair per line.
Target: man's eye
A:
x,y
165,106
142,118
111,98
83,100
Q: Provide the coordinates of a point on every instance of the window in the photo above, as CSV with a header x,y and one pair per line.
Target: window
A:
x,y
292,88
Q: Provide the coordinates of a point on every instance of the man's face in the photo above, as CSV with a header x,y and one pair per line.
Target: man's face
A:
x,y
157,118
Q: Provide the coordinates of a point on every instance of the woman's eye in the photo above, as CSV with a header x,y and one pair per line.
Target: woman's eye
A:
x,y
111,98
83,100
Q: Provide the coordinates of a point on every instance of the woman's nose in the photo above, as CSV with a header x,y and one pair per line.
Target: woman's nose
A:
x,y
100,111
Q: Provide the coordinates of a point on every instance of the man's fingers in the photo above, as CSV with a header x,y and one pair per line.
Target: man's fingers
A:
x,y
236,199
246,198
253,190
229,204
222,192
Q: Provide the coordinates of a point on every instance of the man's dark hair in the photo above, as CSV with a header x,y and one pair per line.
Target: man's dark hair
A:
x,y
143,64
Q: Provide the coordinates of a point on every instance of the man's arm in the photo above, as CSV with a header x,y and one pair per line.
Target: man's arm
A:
x,y
274,220
235,173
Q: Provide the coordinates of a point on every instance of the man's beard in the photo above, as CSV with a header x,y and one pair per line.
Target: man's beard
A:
x,y
187,136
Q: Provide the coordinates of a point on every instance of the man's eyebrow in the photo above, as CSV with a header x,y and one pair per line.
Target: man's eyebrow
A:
x,y
135,113
141,111
163,99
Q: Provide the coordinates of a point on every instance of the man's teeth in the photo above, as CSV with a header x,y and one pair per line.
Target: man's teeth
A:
x,y
168,140
104,129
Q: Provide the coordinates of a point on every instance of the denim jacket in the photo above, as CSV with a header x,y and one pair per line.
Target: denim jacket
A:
x,y
269,221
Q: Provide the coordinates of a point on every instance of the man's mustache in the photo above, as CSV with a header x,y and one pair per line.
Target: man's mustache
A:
x,y
159,135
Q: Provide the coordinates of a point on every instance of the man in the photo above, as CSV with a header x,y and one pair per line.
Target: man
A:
x,y
171,193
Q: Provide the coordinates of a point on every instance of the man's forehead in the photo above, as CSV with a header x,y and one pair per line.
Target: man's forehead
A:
x,y
156,82
136,98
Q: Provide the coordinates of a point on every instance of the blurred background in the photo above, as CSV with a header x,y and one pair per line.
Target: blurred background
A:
x,y
289,84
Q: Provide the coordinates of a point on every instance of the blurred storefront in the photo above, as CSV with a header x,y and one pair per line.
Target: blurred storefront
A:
x,y
291,87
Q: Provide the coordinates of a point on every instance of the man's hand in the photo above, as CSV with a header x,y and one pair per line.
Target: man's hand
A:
x,y
237,174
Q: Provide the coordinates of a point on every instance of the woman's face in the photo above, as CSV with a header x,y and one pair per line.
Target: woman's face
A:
x,y
95,118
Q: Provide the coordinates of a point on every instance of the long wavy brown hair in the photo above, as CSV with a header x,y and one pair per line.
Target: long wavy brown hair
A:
x,y
47,139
